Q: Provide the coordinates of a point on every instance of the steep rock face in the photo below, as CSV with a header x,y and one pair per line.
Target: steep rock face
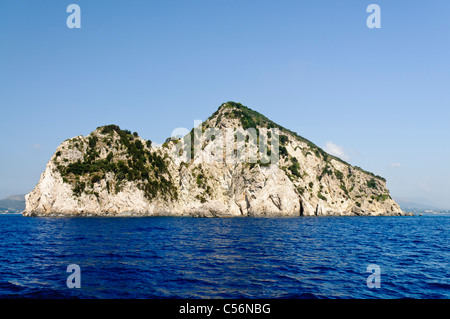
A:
x,y
112,172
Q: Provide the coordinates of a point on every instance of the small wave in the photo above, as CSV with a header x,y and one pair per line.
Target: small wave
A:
x,y
110,255
12,286
191,281
206,250
305,295
48,294
15,289
438,285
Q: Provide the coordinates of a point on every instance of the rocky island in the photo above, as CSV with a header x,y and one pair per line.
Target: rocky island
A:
x,y
113,172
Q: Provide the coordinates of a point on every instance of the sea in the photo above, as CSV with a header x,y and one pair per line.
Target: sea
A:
x,y
245,258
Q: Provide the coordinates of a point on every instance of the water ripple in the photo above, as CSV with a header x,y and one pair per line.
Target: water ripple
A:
x,y
225,258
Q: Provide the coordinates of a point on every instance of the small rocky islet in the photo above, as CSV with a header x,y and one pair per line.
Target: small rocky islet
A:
x,y
113,172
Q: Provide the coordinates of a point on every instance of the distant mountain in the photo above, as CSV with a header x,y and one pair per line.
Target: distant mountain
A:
x,y
415,203
15,203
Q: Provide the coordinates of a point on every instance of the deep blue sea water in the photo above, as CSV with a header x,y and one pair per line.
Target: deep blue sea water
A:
x,y
159,257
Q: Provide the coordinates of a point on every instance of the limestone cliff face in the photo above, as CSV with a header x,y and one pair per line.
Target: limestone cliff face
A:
x,y
112,172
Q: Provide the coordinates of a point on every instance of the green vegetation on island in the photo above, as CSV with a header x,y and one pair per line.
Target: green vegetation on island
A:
x,y
136,163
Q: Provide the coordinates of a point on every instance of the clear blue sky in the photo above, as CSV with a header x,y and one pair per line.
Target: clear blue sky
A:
x,y
379,96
